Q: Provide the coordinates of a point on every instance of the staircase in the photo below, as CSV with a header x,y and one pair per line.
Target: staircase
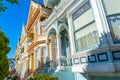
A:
x,y
66,74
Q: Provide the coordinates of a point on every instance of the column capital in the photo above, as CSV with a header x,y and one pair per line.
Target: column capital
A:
x,y
58,35
68,15
48,41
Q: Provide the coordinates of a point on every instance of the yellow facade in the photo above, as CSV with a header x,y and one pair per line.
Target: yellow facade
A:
x,y
36,36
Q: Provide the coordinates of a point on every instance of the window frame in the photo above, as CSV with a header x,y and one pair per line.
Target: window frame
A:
x,y
89,23
107,16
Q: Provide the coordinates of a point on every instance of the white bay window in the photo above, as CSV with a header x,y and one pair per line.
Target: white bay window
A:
x,y
112,9
85,30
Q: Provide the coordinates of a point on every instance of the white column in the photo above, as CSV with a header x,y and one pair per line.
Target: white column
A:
x,y
99,24
58,48
104,22
47,51
58,45
71,33
39,58
39,27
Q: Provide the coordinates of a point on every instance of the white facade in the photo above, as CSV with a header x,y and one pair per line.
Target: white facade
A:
x,y
82,41
21,55
92,29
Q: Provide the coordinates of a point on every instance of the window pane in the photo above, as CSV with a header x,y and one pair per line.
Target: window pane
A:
x,y
43,51
36,30
86,30
114,23
111,6
81,10
84,19
84,26
86,37
42,29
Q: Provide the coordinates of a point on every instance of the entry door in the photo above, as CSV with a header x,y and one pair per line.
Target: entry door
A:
x,y
65,44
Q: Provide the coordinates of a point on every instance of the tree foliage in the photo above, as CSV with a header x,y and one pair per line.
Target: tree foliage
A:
x,y
15,76
44,77
4,62
4,45
4,7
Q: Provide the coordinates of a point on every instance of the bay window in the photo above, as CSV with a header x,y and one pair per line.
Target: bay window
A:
x,y
36,58
112,9
85,30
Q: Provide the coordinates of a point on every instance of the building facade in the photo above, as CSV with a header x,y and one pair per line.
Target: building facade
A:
x,y
21,55
12,66
12,63
36,37
86,34
74,39
30,55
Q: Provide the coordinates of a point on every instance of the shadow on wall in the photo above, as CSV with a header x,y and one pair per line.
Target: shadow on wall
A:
x,y
100,62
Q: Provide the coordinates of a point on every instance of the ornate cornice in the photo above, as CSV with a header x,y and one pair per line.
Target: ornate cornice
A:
x,y
68,15
35,44
58,36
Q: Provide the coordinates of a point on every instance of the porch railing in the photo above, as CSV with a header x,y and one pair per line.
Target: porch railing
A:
x,y
66,61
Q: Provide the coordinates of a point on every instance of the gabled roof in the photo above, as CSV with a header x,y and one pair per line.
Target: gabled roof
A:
x,y
36,10
33,12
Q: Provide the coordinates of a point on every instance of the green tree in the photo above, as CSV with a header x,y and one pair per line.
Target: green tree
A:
x,y
4,45
44,77
3,7
15,76
4,49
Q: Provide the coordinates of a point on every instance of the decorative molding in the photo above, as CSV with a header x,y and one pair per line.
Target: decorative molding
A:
x,y
68,15
83,59
102,57
116,55
76,60
92,58
58,35
35,43
81,10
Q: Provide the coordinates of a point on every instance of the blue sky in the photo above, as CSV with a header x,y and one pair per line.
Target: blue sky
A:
x,y
11,22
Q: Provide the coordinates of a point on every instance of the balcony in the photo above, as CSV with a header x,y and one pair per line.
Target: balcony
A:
x,y
40,40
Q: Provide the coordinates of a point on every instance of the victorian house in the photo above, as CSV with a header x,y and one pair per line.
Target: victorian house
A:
x,y
21,58
74,39
83,37
36,37
31,47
